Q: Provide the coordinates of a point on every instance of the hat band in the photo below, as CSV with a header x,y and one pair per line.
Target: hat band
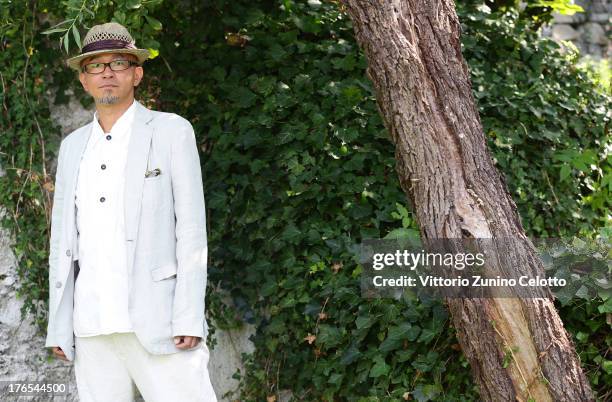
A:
x,y
107,44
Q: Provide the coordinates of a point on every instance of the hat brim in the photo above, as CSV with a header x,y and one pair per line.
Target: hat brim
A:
x,y
75,62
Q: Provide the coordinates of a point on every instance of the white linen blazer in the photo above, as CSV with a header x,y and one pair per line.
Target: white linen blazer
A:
x,y
165,223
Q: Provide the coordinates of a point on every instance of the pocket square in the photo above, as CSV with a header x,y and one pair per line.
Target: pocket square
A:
x,y
153,173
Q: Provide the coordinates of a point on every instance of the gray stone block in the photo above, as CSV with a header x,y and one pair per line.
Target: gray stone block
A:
x,y
601,18
593,33
564,32
562,19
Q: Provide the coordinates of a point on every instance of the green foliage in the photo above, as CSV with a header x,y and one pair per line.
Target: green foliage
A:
x,y
589,324
135,14
547,123
561,6
586,303
599,71
25,187
535,12
584,264
298,169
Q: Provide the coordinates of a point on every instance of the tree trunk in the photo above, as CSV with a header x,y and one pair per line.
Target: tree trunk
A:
x,y
424,95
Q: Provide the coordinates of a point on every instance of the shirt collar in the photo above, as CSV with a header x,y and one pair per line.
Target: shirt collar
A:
x,y
122,124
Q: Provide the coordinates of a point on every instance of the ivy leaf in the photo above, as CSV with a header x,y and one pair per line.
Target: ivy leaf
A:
x,y
243,97
607,366
403,233
424,363
154,23
291,234
380,368
397,334
329,336
535,111
350,355
133,4
424,393
365,321
583,293
606,307
153,53
565,172
427,335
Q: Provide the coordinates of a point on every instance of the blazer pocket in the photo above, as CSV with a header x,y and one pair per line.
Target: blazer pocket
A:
x,y
164,272
152,178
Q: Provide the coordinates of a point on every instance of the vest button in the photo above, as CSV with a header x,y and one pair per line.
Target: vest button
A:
x,y
58,284
68,253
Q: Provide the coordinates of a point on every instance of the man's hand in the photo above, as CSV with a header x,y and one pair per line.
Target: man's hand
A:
x,y
59,353
186,342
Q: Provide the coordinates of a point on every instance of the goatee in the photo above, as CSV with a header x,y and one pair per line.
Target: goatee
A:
x,y
107,100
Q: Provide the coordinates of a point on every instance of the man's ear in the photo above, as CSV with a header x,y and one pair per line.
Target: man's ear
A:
x,y
138,74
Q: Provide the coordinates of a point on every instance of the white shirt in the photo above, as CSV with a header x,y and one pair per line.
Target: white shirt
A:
x,y
101,289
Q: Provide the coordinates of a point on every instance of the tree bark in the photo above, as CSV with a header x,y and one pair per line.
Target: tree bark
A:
x,y
424,95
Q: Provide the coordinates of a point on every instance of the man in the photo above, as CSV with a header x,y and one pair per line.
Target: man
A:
x,y
128,248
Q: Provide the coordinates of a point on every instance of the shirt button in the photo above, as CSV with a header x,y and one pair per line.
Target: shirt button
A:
x,y
58,284
68,253
103,166
102,199
108,137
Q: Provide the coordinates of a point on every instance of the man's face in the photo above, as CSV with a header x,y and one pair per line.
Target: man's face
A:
x,y
111,87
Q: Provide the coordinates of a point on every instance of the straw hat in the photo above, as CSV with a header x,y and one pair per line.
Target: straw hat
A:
x,y
107,38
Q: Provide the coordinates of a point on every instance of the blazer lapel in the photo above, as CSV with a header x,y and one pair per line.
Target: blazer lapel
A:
x,y
136,165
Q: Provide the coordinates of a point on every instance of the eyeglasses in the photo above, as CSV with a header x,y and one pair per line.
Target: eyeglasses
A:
x,y
115,65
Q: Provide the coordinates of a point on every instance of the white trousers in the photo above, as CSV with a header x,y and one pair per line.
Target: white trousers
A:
x,y
107,367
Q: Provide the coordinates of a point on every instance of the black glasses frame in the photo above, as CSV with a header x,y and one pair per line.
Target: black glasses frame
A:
x,y
109,64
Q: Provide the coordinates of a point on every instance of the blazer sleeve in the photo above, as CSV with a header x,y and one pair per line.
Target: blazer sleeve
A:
x,y
54,242
191,240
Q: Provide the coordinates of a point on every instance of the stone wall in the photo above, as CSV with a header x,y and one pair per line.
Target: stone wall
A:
x,y
23,354
590,31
